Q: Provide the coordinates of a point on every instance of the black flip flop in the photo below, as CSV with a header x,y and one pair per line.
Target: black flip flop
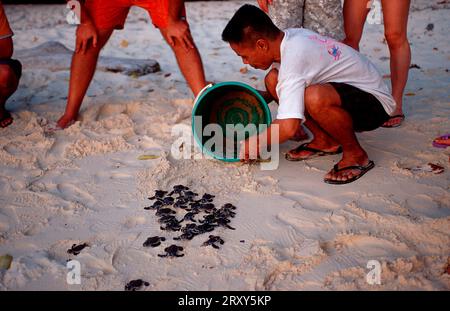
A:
x,y
6,116
362,169
402,116
316,152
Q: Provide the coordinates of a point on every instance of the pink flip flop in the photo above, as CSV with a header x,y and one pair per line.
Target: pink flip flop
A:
x,y
437,145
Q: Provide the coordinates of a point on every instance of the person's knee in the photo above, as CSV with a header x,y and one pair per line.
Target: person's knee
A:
x,y
395,39
314,102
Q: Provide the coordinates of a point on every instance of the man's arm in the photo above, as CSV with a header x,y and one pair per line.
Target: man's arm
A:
x,y
287,129
177,28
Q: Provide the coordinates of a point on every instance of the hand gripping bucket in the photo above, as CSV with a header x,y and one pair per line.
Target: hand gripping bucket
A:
x,y
226,113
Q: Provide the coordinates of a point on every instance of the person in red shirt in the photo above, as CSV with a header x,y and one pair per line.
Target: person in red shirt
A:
x,y
10,69
99,18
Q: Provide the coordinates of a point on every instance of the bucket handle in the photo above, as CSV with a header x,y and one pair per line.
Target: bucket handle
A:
x,y
201,93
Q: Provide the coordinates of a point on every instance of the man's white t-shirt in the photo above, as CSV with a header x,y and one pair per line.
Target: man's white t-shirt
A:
x,y
308,58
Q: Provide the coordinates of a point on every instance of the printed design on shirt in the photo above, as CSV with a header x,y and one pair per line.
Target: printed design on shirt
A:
x,y
335,51
331,45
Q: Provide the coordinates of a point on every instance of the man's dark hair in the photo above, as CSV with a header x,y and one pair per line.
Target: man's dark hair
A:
x,y
249,23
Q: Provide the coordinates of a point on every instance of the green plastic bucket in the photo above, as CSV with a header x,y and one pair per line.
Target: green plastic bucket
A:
x,y
231,103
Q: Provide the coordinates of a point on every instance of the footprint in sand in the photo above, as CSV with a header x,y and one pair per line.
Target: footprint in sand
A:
x,y
311,202
378,204
362,246
71,193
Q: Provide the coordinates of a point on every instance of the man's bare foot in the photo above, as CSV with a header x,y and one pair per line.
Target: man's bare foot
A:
x,y
312,150
65,121
349,169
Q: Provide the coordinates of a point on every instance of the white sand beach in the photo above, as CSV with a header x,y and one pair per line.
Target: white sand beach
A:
x,y
293,232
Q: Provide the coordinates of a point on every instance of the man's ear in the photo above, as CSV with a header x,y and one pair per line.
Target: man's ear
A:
x,y
262,44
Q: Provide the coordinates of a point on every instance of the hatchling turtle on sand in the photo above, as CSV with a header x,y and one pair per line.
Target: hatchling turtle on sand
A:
x,y
173,225
135,285
213,240
178,189
154,241
155,205
165,211
159,194
172,251
76,249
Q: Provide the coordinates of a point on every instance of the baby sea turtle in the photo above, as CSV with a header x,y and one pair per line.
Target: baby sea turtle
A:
x,y
155,205
168,201
213,240
185,236
172,226
190,195
189,227
135,285
208,207
154,241
159,194
221,213
229,206
76,249
172,251
224,223
194,206
207,198
178,189
189,216
168,219
208,219
205,228
179,204
165,211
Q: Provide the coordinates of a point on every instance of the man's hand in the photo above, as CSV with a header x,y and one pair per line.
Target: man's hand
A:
x,y
178,31
85,34
264,5
249,151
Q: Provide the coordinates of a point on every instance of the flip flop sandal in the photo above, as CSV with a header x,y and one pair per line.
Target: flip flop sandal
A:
x,y
402,116
437,145
7,119
316,152
362,169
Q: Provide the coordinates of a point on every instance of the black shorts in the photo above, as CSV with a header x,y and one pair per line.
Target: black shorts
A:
x,y
15,65
365,109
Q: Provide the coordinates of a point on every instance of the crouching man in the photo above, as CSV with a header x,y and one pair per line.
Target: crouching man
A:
x,y
332,88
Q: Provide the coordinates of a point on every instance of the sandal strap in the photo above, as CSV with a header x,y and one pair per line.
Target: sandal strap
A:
x,y
304,147
336,169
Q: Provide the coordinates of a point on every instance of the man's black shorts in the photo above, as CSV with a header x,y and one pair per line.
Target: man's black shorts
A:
x,y
365,109
15,65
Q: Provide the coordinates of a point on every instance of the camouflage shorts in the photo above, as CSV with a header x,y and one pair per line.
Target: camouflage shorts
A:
x,y
322,16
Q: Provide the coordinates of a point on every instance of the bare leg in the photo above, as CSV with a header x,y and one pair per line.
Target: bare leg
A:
x,y
8,85
395,15
323,104
355,14
190,64
271,81
81,74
